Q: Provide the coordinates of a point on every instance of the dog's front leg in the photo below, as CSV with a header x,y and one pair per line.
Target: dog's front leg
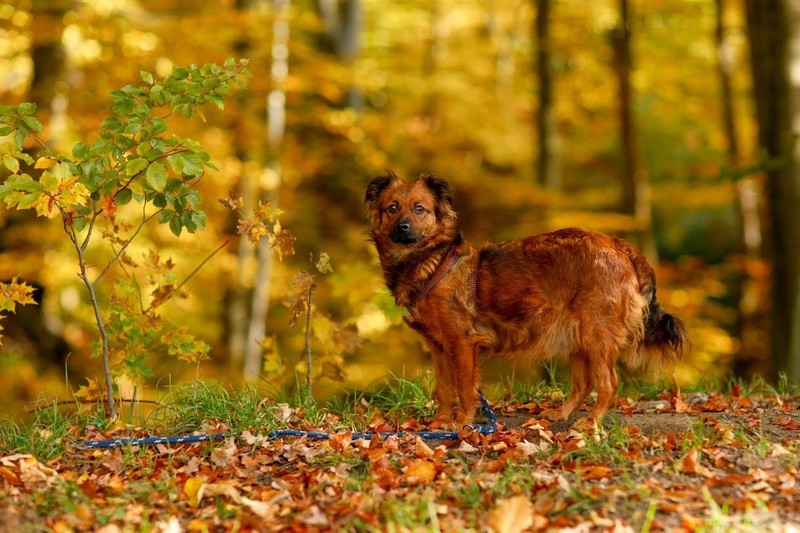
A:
x,y
444,392
466,377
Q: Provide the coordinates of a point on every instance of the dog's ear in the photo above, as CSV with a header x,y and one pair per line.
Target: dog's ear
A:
x,y
444,195
377,186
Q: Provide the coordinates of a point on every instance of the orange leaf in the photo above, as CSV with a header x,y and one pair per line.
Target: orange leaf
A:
x,y
420,471
375,452
339,442
511,515
691,464
421,449
109,206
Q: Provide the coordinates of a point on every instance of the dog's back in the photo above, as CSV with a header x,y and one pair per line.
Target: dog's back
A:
x,y
554,293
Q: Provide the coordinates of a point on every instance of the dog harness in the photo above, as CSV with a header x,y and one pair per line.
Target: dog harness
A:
x,y
437,276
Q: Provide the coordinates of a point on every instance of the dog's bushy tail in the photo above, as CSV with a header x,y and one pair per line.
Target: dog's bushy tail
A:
x,y
664,334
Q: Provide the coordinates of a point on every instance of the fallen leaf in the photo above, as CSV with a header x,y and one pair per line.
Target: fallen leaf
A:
x,y
191,488
259,508
219,489
421,449
691,464
511,515
28,468
419,471
466,447
340,442
313,516
530,448
593,472
169,526
776,450
223,455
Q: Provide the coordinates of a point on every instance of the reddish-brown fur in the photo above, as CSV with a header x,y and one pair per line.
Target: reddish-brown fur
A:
x,y
572,292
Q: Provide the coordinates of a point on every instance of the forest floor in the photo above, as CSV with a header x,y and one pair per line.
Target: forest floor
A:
x,y
697,462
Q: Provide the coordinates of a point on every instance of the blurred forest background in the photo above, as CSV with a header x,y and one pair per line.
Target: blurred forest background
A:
x,y
665,122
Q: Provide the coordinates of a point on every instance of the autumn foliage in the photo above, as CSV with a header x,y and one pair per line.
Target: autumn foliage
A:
x,y
690,462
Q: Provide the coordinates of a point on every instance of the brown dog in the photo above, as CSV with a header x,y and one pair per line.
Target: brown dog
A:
x,y
571,292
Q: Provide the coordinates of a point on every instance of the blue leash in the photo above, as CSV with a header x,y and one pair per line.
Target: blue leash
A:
x,y
484,429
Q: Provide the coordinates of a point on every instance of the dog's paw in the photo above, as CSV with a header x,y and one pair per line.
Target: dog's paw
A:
x,y
555,414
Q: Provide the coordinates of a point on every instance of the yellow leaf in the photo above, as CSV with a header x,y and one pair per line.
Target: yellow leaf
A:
x,y
192,488
45,162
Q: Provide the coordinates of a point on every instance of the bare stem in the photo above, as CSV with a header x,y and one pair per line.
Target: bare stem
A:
x,y
193,272
308,339
116,257
83,274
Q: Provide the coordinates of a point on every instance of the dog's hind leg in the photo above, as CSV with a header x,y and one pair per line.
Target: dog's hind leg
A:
x,y
581,386
604,375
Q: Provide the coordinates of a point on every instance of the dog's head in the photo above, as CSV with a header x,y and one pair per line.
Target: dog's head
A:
x,y
412,215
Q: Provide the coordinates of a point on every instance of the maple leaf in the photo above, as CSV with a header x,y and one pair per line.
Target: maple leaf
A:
x,y
13,293
511,515
233,202
282,241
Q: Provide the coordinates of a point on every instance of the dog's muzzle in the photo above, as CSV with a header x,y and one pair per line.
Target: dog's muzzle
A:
x,y
404,233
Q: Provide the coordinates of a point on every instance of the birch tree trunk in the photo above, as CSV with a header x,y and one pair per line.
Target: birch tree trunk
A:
x,y
276,126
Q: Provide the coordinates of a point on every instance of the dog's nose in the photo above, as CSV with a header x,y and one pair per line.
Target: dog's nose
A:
x,y
404,233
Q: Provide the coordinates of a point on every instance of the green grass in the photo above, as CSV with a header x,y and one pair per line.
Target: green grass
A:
x,y
49,431
188,408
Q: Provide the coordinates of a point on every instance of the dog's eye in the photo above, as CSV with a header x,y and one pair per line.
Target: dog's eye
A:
x,y
392,208
419,210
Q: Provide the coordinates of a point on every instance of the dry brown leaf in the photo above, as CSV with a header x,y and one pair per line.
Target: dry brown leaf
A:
x,y
223,455
259,508
313,516
28,468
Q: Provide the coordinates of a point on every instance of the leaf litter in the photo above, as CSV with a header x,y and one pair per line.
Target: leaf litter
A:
x,y
675,464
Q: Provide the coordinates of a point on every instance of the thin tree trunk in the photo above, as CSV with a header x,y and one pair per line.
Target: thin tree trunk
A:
x,y
547,168
434,51
344,34
775,51
239,296
276,126
635,188
750,357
